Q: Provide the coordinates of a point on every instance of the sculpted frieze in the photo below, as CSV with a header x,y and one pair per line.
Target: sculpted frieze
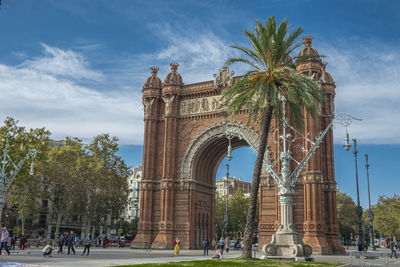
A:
x,y
201,105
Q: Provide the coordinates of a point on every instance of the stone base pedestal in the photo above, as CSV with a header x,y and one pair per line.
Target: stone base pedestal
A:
x,y
142,240
163,240
286,245
318,242
336,245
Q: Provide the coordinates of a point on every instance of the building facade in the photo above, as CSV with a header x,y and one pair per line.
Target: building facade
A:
x,y
233,184
132,209
184,145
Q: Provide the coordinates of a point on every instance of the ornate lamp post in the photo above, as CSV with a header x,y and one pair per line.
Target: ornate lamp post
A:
x,y
359,210
7,178
229,136
286,241
226,218
370,213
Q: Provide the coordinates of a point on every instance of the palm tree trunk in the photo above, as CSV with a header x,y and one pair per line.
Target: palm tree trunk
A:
x,y
255,184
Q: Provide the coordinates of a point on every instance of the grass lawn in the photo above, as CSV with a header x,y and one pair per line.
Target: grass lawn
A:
x,y
238,262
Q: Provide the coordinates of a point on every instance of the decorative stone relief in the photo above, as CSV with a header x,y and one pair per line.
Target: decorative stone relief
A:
x,y
223,78
147,103
201,105
168,101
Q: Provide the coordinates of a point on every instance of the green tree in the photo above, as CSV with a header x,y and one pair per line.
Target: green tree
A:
x,y
259,91
346,215
21,140
220,201
129,228
107,189
63,175
387,216
238,207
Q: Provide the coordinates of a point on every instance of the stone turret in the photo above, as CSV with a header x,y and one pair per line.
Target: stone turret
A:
x,y
310,64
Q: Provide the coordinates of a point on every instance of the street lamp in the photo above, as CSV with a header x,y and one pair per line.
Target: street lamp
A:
x,y
359,208
229,136
370,213
6,179
226,219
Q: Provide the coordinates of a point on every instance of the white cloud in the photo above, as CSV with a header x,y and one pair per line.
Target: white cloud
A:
x,y
368,86
199,53
45,92
62,63
59,90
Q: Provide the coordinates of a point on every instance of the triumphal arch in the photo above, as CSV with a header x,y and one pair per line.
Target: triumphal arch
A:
x,y
183,148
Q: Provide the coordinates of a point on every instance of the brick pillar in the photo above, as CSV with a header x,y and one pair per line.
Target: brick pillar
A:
x,y
314,223
332,228
170,95
151,102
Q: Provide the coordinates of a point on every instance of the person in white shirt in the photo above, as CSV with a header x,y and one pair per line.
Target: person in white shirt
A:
x,y
48,249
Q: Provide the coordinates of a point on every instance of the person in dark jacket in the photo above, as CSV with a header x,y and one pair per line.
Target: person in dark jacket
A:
x,y
393,250
206,245
71,241
60,244
22,241
13,241
87,242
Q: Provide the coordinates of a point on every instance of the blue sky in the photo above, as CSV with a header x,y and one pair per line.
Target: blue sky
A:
x,y
77,67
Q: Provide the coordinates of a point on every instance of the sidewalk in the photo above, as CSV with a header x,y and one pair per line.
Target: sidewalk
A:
x,y
122,256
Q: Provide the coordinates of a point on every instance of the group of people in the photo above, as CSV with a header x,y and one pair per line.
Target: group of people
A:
x,y
220,246
23,240
70,240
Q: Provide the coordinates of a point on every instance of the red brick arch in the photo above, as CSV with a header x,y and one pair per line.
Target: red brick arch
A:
x,y
183,148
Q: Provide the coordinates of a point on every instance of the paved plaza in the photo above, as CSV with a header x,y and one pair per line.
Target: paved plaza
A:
x,y
115,256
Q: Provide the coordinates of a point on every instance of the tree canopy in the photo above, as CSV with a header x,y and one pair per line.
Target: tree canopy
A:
x,y
387,216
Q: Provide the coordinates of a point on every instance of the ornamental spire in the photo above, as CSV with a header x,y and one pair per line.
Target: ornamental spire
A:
x,y
307,40
174,66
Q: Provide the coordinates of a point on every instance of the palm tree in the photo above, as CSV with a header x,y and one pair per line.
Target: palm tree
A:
x,y
272,75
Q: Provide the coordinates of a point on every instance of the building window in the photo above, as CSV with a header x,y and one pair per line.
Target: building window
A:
x,y
45,203
42,220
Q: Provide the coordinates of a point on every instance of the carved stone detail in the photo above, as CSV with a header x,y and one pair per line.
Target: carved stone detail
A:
x,y
223,78
147,103
168,102
201,105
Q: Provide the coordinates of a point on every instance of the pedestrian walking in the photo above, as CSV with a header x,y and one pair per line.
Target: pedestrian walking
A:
x,y
206,244
71,241
13,241
60,244
221,246
177,248
227,241
105,241
4,240
22,241
392,249
86,242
